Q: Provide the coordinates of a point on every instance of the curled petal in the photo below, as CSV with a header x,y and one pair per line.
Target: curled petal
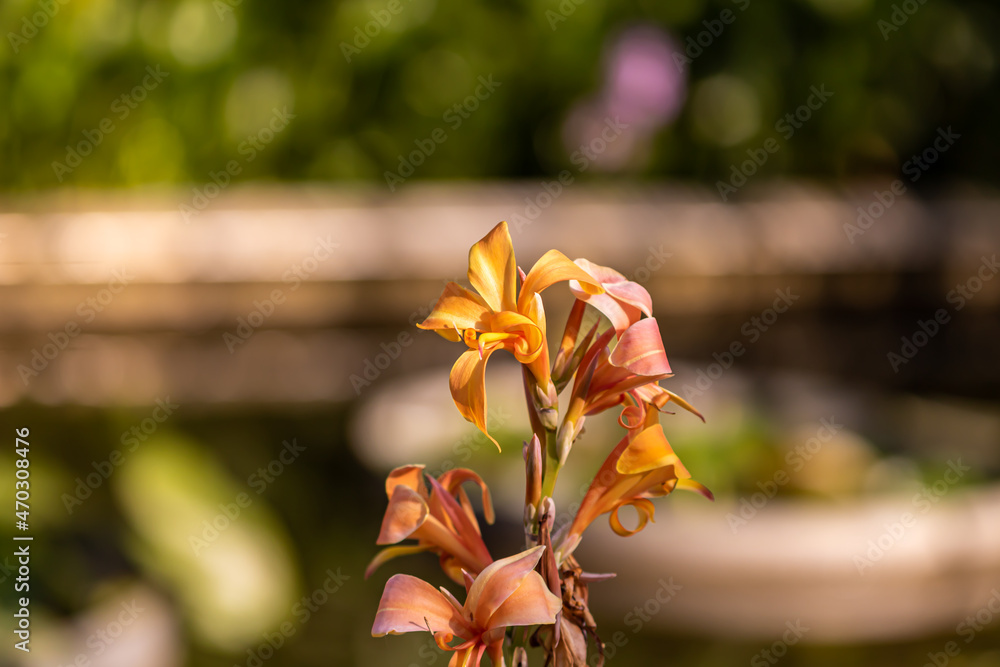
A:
x,y
551,268
643,507
697,487
456,308
498,582
468,388
452,481
389,553
409,604
407,511
493,270
640,350
526,336
631,417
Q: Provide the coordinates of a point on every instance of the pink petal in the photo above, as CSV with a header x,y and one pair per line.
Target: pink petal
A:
x,y
412,605
640,350
407,511
531,603
498,582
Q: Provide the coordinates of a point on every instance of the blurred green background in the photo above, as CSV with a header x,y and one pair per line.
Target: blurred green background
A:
x,y
361,100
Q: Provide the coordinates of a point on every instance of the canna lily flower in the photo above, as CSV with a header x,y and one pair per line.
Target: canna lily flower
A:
x,y
623,302
638,359
441,520
642,466
507,593
499,316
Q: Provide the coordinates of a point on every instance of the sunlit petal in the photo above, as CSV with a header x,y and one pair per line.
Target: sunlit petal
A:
x,y
551,268
493,270
646,451
456,308
640,350
643,507
468,388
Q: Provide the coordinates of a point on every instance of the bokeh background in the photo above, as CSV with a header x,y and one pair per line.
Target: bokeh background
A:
x,y
220,220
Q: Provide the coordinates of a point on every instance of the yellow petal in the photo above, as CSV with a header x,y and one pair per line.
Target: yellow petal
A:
x,y
468,388
642,506
551,268
493,270
409,604
456,308
647,451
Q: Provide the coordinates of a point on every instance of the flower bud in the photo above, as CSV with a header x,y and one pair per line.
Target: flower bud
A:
x,y
533,471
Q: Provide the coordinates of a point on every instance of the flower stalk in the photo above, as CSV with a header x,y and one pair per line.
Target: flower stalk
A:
x,y
610,356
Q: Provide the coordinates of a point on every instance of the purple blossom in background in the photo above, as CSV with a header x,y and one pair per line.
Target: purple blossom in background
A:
x,y
642,90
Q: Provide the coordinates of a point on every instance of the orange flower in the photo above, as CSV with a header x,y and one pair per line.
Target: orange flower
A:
x,y
642,466
441,521
498,316
507,593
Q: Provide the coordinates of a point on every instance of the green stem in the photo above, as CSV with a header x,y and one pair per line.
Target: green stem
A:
x,y
551,465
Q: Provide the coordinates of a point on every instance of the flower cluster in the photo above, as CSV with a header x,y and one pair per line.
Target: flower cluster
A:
x,y
616,363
